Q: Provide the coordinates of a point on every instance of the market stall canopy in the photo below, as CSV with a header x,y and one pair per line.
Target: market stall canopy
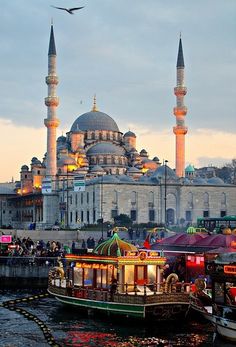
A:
x,y
114,247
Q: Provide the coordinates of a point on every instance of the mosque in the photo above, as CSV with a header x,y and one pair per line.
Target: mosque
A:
x,y
95,172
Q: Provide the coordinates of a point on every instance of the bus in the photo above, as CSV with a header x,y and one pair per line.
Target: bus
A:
x,y
217,223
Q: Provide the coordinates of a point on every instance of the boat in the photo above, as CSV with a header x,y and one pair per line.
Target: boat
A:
x,y
222,311
117,278
201,300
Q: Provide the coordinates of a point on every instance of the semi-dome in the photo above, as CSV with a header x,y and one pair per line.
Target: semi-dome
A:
x,y
105,148
215,180
94,120
66,160
114,247
129,134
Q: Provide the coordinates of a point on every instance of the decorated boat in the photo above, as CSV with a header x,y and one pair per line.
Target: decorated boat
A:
x,y
222,309
119,279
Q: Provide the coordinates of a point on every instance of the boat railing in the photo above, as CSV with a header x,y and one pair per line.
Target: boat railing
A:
x,y
152,288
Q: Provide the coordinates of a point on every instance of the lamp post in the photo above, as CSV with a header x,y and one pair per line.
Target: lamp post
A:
x,y
102,204
166,161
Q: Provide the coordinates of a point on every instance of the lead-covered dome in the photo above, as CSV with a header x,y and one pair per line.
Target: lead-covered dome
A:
x,y
105,148
94,120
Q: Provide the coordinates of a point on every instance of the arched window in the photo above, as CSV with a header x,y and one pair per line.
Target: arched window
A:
x,y
223,198
151,197
115,197
133,197
206,198
190,198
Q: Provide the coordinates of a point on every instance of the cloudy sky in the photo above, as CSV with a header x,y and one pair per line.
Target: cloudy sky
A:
x,y
125,51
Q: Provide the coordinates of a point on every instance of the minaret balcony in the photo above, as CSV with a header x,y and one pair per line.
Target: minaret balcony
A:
x,y
180,130
52,80
180,91
51,123
180,111
51,101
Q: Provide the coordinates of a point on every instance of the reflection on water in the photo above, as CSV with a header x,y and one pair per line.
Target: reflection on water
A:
x,y
70,327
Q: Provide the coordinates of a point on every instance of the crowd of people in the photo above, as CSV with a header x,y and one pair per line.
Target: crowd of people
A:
x,y
27,247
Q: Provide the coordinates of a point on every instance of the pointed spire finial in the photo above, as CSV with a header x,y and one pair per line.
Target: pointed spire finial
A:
x,y
94,109
52,46
180,59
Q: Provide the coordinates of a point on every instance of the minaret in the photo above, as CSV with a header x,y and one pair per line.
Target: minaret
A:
x,y
51,101
180,111
50,199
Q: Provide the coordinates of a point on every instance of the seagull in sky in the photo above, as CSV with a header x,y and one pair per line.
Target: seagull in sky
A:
x,y
69,10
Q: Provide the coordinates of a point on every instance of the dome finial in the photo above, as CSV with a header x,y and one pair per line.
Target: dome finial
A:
x,y
94,109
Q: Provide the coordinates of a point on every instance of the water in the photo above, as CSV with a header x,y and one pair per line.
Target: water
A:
x,y
70,327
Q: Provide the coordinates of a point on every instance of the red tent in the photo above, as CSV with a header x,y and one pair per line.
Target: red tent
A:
x,y
216,241
183,239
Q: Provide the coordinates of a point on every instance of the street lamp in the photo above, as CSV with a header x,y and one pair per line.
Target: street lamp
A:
x,y
166,161
102,204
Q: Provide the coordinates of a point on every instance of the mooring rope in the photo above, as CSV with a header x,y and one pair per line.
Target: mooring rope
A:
x,y
12,305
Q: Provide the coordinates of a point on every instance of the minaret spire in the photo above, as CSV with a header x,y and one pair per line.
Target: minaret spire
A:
x,y
51,101
180,111
94,109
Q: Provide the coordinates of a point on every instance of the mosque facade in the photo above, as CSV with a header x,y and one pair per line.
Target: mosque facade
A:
x,y
95,172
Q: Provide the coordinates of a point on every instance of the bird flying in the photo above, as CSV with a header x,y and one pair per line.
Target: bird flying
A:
x,y
69,10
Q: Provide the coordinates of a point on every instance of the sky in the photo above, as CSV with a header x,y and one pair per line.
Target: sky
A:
x,y
125,52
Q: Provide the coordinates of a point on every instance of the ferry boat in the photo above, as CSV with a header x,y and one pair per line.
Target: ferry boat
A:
x,y
222,310
119,279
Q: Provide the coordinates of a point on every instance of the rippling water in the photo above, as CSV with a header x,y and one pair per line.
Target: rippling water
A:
x,y
70,327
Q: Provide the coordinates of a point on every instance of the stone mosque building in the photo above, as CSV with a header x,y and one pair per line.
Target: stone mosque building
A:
x,y
96,172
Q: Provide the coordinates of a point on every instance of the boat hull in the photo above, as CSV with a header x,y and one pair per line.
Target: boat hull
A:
x,y
132,307
226,328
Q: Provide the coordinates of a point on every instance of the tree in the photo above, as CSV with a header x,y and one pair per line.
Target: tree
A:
x,y
122,220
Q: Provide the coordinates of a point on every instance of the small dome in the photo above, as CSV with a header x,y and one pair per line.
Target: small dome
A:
x,y
35,161
162,171
97,168
108,179
215,180
114,247
24,168
106,148
199,180
189,169
94,120
143,151
125,178
156,159
61,139
129,134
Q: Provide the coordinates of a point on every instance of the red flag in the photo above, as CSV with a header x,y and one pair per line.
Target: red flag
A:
x,y
146,243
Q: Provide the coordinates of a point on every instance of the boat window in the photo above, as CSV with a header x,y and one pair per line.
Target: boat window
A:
x,y
151,273
104,279
78,276
129,277
88,277
99,278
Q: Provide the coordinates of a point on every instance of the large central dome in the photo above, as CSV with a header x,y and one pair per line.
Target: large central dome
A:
x,y
94,120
